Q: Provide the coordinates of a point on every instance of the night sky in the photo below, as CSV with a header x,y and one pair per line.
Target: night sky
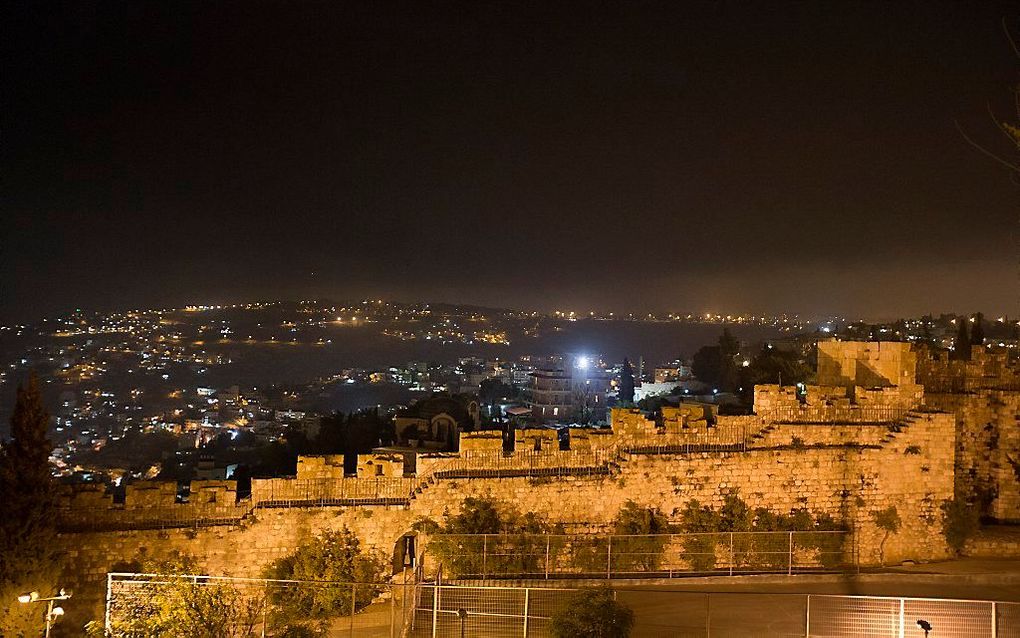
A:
x,y
728,157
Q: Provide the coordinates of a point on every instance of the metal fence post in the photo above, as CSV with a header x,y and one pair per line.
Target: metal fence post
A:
x,y
995,621
789,564
485,545
354,595
435,608
547,544
708,615
901,618
609,558
393,610
731,553
807,618
527,604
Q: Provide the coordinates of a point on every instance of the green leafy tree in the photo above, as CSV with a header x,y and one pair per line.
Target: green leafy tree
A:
x,y
961,345
492,391
640,538
702,525
729,348
638,542
960,521
334,560
28,561
627,383
707,365
887,520
476,516
772,366
179,603
977,333
514,544
353,434
592,613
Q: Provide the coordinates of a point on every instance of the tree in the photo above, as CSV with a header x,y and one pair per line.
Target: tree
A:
x,y
353,434
592,613
627,383
960,520
493,390
887,520
729,348
334,561
961,345
28,561
716,365
477,516
179,604
772,366
487,537
707,365
977,333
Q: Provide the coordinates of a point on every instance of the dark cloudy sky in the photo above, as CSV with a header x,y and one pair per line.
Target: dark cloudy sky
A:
x,y
709,156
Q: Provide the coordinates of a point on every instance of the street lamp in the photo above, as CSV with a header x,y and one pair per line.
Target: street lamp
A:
x,y
52,613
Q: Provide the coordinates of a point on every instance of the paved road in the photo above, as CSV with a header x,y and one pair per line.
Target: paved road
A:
x,y
779,609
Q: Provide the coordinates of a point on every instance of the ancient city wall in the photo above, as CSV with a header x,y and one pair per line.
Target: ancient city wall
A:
x,y
912,469
987,446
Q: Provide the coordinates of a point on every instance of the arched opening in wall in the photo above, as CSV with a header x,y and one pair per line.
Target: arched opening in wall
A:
x,y
404,553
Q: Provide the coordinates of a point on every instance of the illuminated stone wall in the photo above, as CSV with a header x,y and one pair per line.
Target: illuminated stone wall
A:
x,y
912,470
866,363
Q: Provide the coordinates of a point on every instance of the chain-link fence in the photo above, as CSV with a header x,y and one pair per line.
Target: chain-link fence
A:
x,y
547,556
148,605
851,616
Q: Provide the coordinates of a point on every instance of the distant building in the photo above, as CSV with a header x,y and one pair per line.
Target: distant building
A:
x,y
672,372
437,420
646,390
575,395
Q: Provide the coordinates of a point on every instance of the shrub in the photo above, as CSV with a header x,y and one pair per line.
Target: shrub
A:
x,y
638,542
333,558
516,543
887,520
912,449
960,520
592,613
177,605
760,551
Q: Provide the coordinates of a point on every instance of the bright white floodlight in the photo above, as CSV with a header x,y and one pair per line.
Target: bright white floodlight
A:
x,y
583,362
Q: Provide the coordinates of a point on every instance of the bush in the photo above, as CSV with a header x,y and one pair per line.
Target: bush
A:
x,y
516,543
765,551
178,605
592,613
638,542
887,520
960,520
334,557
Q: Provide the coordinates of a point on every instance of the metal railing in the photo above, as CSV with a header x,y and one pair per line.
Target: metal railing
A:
x,y
549,463
327,492
834,415
178,516
553,556
717,438
271,493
